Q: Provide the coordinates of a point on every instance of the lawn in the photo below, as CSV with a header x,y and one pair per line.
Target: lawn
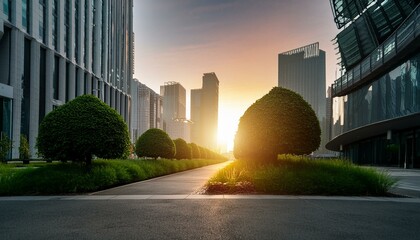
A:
x,y
292,175
68,178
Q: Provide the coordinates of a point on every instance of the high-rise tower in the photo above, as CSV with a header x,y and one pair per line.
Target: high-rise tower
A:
x,y
205,112
53,51
302,70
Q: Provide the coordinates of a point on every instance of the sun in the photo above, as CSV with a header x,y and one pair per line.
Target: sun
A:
x,y
228,125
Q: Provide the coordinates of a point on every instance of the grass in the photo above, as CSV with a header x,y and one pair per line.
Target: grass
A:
x,y
292,175
68,178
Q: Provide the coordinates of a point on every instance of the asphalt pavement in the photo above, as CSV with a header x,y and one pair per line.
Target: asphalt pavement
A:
x,y
168,208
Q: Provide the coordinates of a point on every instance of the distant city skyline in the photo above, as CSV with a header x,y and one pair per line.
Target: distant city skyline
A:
x,y
179,40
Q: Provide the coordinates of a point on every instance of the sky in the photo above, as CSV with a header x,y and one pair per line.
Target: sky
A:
x,y
239,40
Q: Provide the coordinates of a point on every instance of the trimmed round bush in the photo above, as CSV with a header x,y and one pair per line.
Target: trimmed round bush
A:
x,y
155,143
195,150
82,128
183,150
281,122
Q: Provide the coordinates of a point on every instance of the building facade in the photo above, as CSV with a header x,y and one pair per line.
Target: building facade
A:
x,y
376,101
205,112
174,110
52,51
302,70
146,109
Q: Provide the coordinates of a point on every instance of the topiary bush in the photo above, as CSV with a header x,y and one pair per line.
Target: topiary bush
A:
x,y
195,150
281,122
155,143
81,129
183,150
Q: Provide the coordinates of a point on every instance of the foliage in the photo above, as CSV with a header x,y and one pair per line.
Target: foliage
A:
x,y
24,151
281,122
195,150
81,129
183,150
5,146
155,143
65,178
203,152
303,176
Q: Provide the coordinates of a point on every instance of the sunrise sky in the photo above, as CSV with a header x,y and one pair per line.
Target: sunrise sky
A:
x,y
239,40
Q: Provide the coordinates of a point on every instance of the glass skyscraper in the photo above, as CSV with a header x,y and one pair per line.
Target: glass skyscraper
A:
x,y
52,51
376,101
302,70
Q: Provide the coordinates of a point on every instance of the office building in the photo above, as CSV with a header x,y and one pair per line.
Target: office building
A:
x,y
302,70
147,109
52,51
376,100
174,110
205,112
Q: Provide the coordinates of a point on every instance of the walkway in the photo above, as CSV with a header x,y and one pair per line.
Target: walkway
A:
x,y
183,183
409,181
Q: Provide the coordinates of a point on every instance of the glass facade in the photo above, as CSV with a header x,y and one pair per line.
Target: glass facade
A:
x,y
395,94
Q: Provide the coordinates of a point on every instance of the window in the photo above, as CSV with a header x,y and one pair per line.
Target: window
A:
x,y
55,25
86,26
77,30
67,27
42,20
7,8
93,35
25,15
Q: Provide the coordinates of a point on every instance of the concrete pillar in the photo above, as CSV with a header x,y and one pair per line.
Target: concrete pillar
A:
x,y
81,82
88,83
16,72
34,97
62,80
71,91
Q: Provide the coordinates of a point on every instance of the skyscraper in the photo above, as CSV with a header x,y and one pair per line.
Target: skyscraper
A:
x,y
147,109
205,112
376,100
52,51
174,110
302,70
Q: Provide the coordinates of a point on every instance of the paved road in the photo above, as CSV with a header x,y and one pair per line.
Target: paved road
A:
x,y
269,217
165,208
186,182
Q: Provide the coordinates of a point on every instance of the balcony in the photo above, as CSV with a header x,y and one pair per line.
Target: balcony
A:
x,y
404,41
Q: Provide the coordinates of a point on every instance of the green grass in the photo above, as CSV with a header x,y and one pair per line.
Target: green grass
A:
x,y
292,175
68,178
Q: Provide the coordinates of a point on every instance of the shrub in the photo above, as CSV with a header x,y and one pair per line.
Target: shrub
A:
x,y
183,150
195,150
83,128
281,122
24,148
155,143
5,146
203,152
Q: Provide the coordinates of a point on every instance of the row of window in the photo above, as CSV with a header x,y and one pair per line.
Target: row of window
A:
x,y
115,32
393,95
